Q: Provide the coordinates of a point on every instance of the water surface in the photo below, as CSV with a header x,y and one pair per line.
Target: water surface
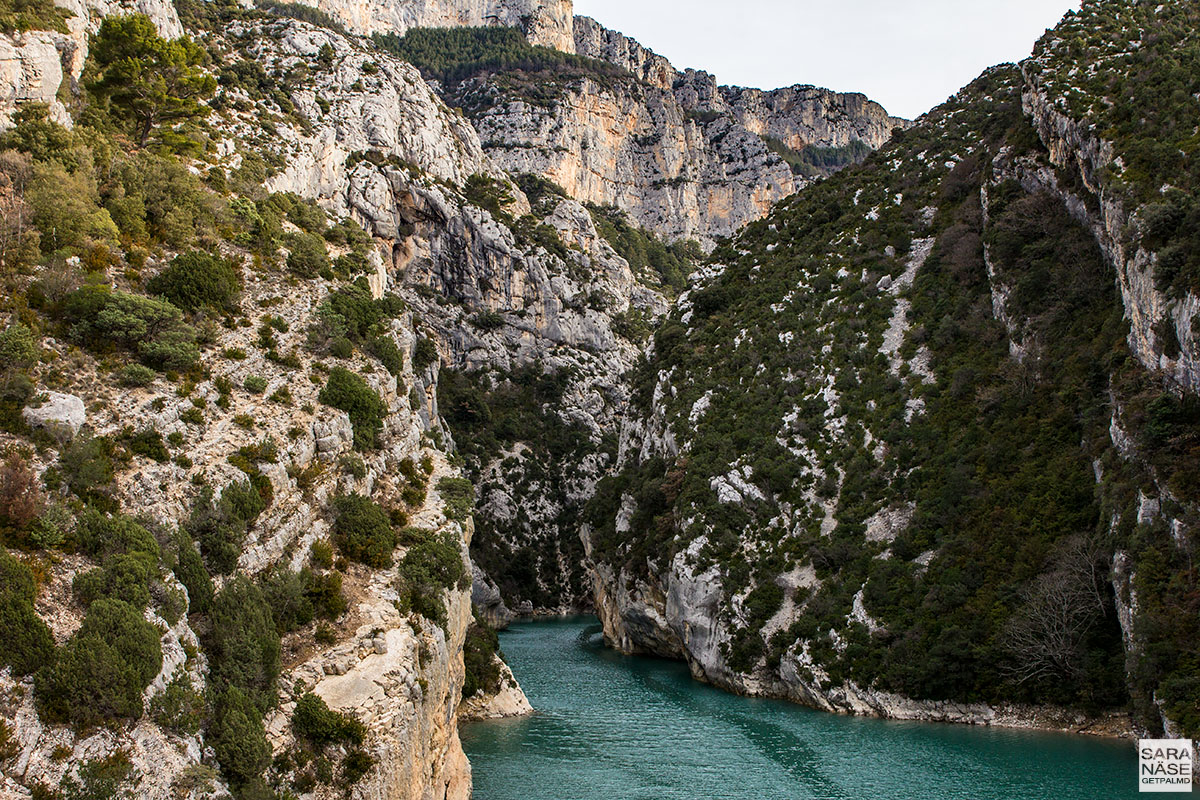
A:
x,y
613,727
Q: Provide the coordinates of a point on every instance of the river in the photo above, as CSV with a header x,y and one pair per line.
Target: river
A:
x,y
613,727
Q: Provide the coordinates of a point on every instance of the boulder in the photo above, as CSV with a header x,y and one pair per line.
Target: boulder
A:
x,y
61,414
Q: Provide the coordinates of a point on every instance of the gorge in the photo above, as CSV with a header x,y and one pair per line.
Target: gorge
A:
x,y
337,335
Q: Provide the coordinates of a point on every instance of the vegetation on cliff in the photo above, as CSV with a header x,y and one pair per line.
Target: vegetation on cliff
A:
x,y
813,406
452,55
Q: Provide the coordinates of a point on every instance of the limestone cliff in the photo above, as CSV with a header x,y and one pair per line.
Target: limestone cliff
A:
x,y
545,22
372,669
682,156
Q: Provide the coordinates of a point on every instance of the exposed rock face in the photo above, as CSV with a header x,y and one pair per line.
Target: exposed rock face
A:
x,y
636,147
31,69
681,155
394,676
798,116
507,701
596,41
485,596
373,670
1076,146
545,22
394,115
556,310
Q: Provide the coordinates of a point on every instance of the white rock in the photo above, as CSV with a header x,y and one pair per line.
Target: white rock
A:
x,y
61,414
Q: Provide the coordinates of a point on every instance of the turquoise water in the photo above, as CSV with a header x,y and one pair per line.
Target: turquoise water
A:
x,y
612,727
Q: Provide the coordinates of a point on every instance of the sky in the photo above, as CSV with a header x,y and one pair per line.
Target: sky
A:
x,y
909,55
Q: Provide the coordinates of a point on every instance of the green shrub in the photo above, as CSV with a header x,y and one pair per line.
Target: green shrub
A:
x,y
238,737
25,641
285,596
479,659
349,392
255,384
321,553
424,355
243,645
101,672
316,723
124,577
87,466
487,321
154,198
308,256
65,209
99,779
148,443
103,537
363,531
296,597
355,765
136,375
15,391
180,708
220,525
104,319
359,312
18,348
384,348
432,565
458,495
32,15
189,569
199,280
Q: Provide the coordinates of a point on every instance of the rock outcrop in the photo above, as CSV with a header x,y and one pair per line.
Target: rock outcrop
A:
x,y
1076,147
507,701
548,23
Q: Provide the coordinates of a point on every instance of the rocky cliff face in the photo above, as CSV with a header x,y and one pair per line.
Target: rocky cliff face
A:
x,y
548,23
372,669
1075,146
680,155
503,290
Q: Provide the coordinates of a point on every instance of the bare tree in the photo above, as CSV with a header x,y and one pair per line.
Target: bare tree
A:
x,y
1045,637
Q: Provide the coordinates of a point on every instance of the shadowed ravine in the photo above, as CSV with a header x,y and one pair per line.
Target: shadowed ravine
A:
x,y
610,726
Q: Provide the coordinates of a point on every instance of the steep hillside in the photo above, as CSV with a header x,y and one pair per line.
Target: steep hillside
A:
x,y
939,408
234,532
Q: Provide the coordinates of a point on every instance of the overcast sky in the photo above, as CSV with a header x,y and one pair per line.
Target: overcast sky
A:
x,y
909,55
